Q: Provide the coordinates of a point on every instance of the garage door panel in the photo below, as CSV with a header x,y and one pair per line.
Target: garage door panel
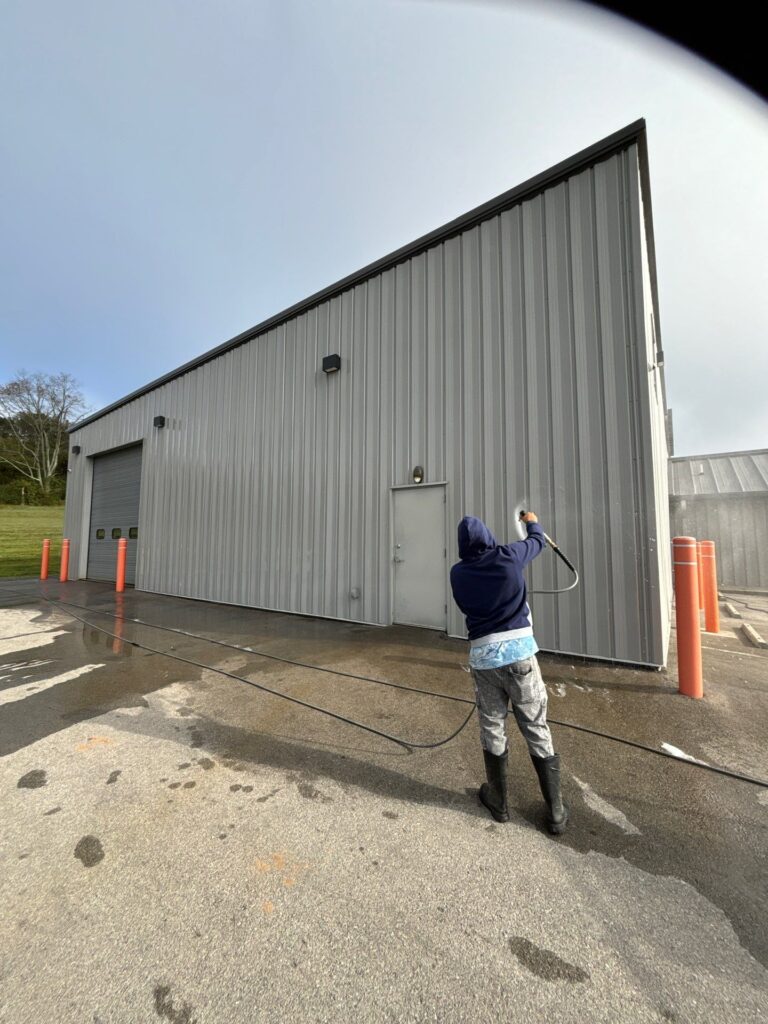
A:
x,y
114,506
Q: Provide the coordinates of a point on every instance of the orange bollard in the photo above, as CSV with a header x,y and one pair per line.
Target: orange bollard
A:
x,y
709,570
64,571
122,552
44,560
687,616
701,576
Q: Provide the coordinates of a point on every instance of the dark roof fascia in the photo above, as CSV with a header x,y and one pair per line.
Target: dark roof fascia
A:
x,y
613,143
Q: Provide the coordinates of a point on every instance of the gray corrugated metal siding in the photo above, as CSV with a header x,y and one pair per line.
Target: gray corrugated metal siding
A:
x,y
725,473
724,498
738,524
511,360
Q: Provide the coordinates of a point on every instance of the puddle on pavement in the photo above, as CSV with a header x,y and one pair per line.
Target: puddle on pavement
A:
x,y
94,639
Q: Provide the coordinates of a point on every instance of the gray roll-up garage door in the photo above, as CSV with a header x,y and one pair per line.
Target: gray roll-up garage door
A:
x,y
114,512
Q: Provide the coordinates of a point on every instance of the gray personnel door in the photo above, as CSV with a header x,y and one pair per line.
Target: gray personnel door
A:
x,y
114,512
420,557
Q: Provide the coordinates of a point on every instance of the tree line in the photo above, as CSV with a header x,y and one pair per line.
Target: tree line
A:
x,y
36,411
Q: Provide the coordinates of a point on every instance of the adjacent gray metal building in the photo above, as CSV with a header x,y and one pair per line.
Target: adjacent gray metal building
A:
x,y
510,356
724,498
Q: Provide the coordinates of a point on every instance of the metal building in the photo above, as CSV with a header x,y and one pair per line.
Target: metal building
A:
x,y
724,498
511,355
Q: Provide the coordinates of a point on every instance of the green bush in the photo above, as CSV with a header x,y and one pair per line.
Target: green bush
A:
x,y
10,492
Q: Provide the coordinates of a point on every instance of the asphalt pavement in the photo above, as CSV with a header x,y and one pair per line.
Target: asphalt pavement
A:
x,y
180,846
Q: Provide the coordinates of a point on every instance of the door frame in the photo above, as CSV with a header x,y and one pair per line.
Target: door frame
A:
x,y
415,487
85,520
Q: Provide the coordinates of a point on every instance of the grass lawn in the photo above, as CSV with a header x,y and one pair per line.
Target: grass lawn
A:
x,y
22,532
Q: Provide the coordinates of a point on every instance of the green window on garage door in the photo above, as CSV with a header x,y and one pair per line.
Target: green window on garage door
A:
x,y
114,512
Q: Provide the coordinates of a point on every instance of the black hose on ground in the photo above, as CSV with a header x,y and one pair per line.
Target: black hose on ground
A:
x,y
407,744
735,600
368,679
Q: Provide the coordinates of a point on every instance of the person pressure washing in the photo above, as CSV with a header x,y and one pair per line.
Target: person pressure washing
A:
x,y
489,588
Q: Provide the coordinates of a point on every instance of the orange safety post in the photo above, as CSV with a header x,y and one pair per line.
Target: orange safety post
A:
x,y
687,616
709,571
701,576
44,560
64,571
122,552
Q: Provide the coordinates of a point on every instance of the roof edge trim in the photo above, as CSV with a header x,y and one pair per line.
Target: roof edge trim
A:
x,y
718,455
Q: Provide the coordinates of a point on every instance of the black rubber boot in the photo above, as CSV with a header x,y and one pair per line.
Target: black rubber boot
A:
x,y
548,771
493,793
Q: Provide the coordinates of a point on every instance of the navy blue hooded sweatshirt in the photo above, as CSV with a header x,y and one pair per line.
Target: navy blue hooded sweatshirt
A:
x,y
487,583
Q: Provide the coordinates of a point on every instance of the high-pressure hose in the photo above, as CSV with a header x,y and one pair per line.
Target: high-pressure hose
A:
x,y
562,557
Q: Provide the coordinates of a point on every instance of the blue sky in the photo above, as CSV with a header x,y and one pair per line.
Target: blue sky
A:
x,y
173,173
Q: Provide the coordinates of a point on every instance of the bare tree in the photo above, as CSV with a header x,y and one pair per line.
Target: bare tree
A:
x,y
36,410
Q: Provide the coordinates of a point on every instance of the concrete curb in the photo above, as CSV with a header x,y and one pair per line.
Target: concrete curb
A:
x,y
734,614
752,635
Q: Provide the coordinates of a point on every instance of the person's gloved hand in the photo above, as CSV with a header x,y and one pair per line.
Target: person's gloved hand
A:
x,y
529,517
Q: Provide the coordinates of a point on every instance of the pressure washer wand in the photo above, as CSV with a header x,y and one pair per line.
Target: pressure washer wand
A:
x,y
555,547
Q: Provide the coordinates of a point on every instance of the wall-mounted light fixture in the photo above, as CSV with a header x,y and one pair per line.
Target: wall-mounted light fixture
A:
x,y
159,421
418,474
76,449
331,363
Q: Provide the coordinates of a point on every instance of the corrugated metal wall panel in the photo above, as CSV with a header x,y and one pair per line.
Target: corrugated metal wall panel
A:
x,y
653,452
726,473
507,360
738,526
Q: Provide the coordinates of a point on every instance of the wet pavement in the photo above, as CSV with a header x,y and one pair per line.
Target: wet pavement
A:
x,y
180,846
